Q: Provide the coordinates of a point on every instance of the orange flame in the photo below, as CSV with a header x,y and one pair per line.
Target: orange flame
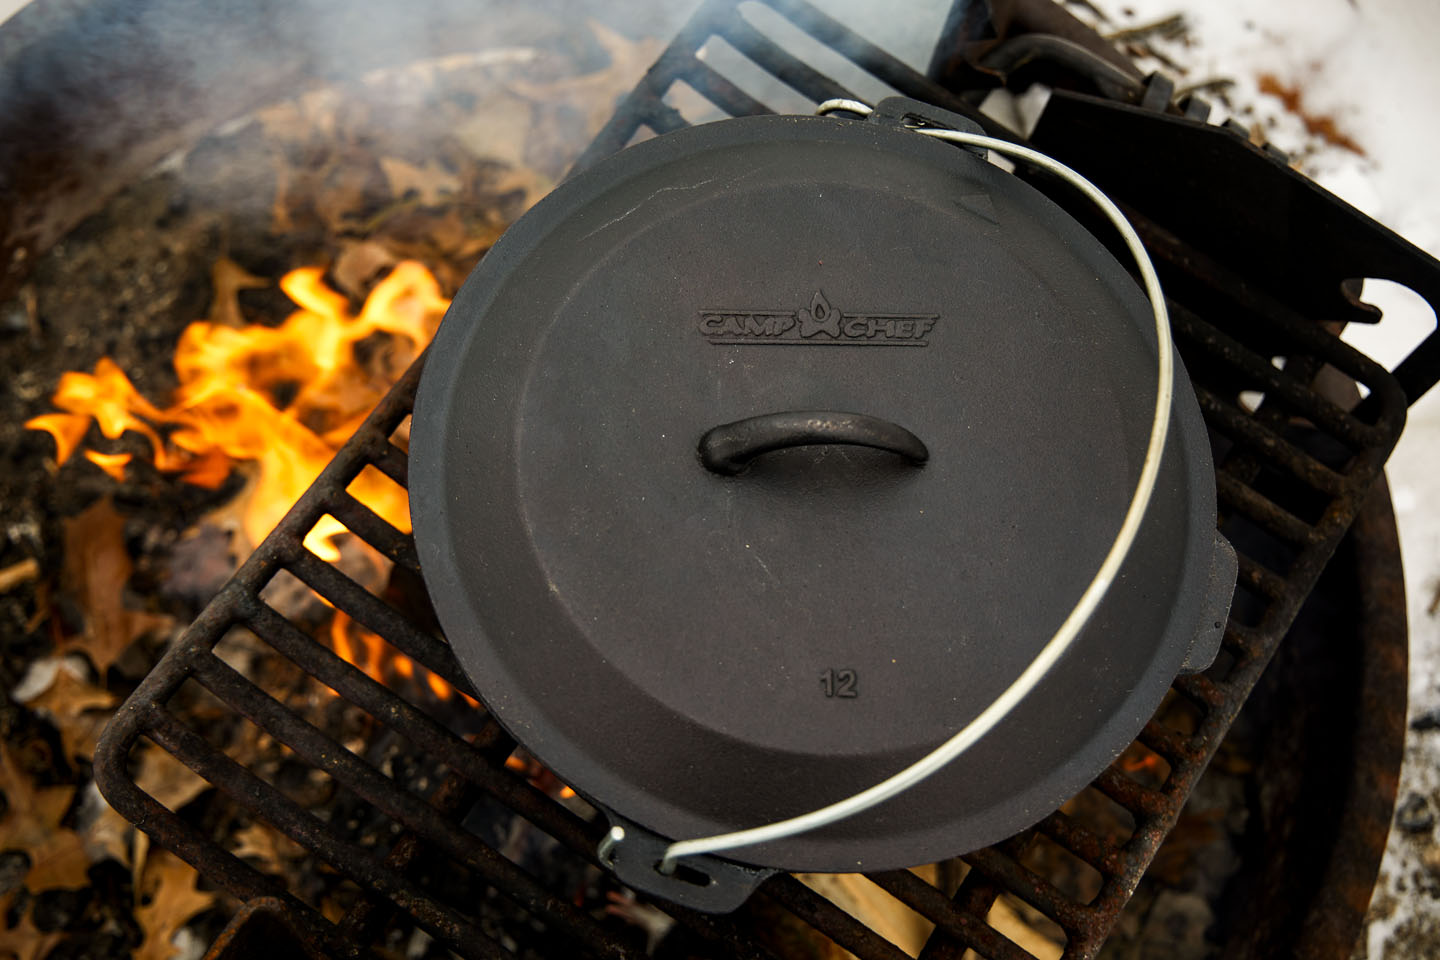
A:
x,y
111,463
1148,762
539,776
283,397
378,660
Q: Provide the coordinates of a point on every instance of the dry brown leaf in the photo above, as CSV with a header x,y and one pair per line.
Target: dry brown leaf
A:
x,y
312,114
23,941
498,128
32,824
432,183
227,279
440,237
78,709
140,859
169,883
256,841
359,264
267,845
594,94
533,184
96,570
345,191
168,780
1317,125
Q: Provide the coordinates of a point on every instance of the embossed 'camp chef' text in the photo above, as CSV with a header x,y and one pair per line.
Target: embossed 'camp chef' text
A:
x,y
819,324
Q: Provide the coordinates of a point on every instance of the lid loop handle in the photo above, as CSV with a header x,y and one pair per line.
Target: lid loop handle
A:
x,y
729,448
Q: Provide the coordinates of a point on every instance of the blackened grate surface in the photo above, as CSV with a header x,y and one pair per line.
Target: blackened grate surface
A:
x,y
1293,471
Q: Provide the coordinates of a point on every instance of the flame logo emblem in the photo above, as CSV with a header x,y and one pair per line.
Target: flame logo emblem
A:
x,y
803,327
820,318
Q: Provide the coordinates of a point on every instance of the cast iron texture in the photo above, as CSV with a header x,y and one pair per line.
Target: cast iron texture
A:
x,y
627,596
1298,504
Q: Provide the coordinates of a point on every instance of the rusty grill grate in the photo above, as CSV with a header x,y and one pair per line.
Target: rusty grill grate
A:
x,y
1293,472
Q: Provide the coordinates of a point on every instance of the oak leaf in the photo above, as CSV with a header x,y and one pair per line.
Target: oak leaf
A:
x,y
172,900
227,279
168,780
33,824
96,570
78,708
595,93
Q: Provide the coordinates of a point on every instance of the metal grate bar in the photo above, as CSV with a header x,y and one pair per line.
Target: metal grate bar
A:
x,y
820,913
976,897
1089,846
370,785
419,728
382,703
1270,446
644,106
798,75
1240,641
933,905
367,609
272,806
1263,581
392,461
1187,267
1263,375
367,918
666,119
1129,794
375,530
1029,886
1169,745
1273,518
719,90
893,71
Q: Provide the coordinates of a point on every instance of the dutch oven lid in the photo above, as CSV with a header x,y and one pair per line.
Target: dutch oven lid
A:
x,y
702,652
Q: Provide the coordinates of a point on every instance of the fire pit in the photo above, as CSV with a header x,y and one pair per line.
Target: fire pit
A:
x,y
425,830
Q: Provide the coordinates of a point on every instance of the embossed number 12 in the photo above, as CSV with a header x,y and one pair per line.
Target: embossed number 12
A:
x,y
839,683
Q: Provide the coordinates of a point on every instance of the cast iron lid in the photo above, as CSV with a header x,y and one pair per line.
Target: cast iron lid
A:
x,y
701,652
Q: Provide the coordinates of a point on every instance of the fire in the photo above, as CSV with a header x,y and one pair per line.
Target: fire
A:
x,y
280,400
283,398
539,776
370,653
1147,762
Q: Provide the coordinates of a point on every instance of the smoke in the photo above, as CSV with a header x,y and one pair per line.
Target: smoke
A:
x,y
94,93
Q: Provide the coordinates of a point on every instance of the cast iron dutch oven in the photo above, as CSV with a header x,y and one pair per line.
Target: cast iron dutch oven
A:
x,y
707,635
